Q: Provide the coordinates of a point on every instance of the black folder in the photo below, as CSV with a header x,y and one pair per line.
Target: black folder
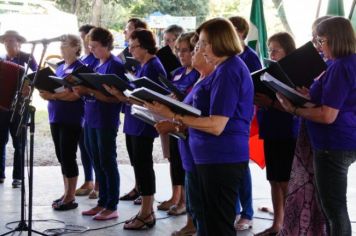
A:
x,y
147,83
169,61
130,63
166,82
97,80
74,79
43,82
297,69
144,94
293,95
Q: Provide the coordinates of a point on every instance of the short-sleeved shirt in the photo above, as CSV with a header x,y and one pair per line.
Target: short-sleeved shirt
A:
x,y
336,89
66,112
227,92
183,80
251,59
22,58
100,114
183,144
90,60
133,126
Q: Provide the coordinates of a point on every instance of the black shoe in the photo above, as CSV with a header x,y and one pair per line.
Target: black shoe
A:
x,y
132,195
65,206
16,183
2,180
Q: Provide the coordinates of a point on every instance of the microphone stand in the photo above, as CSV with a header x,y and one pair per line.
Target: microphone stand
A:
x,y
27,113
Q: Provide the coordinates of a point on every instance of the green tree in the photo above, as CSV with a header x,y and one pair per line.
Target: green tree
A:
x,y
143,8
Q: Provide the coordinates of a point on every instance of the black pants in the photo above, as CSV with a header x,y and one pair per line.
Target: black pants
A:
x,y
66,138
140,150
218,186
176,166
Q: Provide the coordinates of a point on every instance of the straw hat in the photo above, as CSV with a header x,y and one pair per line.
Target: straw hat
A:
x,y
12,33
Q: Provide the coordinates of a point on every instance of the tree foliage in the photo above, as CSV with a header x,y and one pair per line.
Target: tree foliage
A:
x,y
116,12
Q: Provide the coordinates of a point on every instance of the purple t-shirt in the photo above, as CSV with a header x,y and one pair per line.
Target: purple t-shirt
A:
x,y
133,126
251,59
90,60
66,112
336,89
184,148
100,114
228,92
184,81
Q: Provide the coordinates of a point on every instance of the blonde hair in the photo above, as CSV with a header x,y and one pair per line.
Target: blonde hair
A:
x,y
73,41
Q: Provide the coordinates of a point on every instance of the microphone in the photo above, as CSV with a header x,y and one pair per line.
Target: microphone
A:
x,y
47,41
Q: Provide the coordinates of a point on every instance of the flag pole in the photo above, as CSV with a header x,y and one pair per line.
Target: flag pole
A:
x,y
352,9
318,9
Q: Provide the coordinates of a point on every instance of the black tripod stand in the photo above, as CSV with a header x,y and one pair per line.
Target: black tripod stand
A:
x,y
27,114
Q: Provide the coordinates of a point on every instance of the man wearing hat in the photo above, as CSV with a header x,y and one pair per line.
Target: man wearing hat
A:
x,y
12,41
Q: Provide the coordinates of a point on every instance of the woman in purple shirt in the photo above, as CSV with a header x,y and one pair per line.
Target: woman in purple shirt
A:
x,y
219,138
65,111
332,124
101,126
184,79
140,135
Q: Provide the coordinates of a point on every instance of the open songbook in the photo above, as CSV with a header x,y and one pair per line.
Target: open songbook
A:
x,y
293,95
143,94
151,118
74,78
297,69
98,80
166,82
43,82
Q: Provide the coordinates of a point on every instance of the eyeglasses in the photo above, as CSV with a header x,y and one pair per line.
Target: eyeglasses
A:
x,y
182,50
273,51
321,41
134,46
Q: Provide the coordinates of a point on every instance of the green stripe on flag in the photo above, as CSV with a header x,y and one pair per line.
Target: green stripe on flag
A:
x,y
336,8
257,38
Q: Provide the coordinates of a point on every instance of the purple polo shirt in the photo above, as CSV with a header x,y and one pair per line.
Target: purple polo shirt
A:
x,y
66,112
133,126
184,81
100,114
90,60
184,148
336,89
22,58
228,92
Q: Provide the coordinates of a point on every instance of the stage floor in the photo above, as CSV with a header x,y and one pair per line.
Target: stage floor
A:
x,y
48,186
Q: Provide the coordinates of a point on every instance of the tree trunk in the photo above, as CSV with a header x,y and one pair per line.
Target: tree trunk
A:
x,y
96,16
282,15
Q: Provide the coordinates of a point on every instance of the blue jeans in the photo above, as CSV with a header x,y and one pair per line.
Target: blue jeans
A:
x,y
102,150
194,202
86,161
5,128
331,168
244,197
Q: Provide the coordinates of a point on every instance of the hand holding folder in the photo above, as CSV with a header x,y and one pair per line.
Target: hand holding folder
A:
x,y
143,95
298,69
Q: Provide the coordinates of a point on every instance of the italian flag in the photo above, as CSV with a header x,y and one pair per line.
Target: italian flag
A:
x,y
257,37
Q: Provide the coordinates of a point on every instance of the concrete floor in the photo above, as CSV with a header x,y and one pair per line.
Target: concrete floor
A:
x,y
47,186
